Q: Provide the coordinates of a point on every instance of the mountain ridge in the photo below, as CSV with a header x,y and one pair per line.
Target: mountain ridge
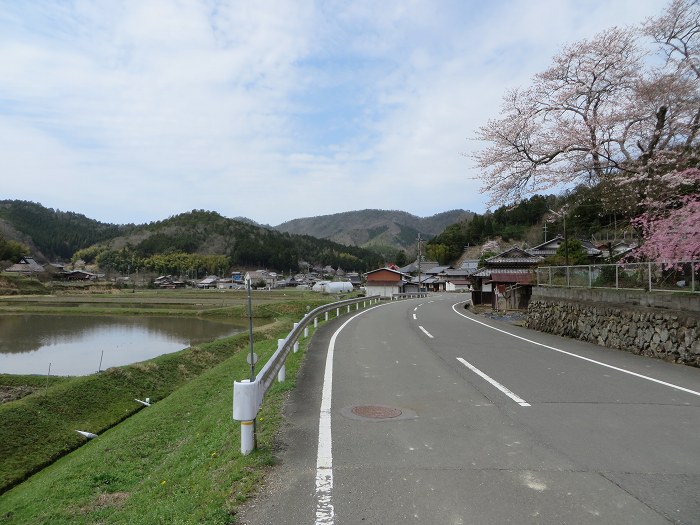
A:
x,y
369,236
374,228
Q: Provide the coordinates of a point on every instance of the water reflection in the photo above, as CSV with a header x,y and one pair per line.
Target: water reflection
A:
x,y
74,344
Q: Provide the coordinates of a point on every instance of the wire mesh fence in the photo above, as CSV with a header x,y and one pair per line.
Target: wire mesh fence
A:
x,y
676,276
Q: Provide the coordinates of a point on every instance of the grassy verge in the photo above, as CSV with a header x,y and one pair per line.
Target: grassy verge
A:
x,y
17,284
40,427
176,462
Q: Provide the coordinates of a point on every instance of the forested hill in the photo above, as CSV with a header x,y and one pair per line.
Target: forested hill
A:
x,y
243,244
381,230
52,234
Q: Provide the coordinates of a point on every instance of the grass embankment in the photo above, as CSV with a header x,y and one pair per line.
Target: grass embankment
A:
x,y
177,461
20,285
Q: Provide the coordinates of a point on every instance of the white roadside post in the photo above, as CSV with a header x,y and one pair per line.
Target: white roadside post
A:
x,y
315,322
244,410
282,374
326,316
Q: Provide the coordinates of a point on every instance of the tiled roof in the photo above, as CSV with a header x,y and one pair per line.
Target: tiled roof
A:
x,y
512,277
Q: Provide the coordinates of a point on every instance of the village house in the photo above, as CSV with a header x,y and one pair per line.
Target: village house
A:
x,y
210,281
168,282
26,266
262,276
506,279
549,248
385,282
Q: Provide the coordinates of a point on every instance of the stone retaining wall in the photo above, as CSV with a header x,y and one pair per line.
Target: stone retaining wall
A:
x,y
664,333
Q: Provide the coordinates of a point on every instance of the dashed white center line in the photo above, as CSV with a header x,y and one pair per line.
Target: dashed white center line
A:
x,y
414,316
519,400
426,332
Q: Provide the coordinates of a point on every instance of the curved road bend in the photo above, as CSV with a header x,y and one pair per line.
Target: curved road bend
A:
x,y
498,424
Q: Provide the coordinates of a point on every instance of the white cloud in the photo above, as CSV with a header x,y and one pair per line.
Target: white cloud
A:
x,y
271,110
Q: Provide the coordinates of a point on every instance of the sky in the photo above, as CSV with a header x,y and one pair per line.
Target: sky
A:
x,y
132,111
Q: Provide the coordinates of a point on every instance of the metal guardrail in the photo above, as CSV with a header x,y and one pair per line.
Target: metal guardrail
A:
x,y
408,295
675,276
248,395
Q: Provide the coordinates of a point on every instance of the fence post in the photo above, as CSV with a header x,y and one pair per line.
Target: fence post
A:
x,y
568,281
550,276
617,277
649,270
590,276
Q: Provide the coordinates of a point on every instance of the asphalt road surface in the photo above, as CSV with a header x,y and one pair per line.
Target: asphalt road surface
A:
x,y
420,412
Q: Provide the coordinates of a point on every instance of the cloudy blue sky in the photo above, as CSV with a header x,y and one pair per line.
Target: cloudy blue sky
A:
x,y
133,111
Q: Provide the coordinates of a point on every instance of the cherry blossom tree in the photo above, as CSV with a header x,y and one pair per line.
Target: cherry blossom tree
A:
x,y
606,113
670,224
566,126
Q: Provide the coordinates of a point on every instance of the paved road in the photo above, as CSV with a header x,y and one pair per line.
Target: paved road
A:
x,y
498,424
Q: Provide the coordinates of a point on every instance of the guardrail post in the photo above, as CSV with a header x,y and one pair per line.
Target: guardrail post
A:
x,y
357,306
348,308
337,312
281,375
245,410
306,332
296,346
326,316
247,437
315,322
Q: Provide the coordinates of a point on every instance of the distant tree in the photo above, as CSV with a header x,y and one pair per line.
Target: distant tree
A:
x,y
573,250
12,250
486,255
438,252
400,258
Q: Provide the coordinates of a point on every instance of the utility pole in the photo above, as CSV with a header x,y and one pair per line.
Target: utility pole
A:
x,y
419,258
562,215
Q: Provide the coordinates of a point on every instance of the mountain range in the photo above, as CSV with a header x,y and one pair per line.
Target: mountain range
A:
x,y
379,230
56,235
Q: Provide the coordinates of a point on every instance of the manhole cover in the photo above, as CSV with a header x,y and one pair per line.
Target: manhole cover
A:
x,y
376,412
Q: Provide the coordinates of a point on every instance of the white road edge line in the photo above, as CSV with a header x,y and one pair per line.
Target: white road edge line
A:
x,y
635,374
519,400
325,513
426,332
